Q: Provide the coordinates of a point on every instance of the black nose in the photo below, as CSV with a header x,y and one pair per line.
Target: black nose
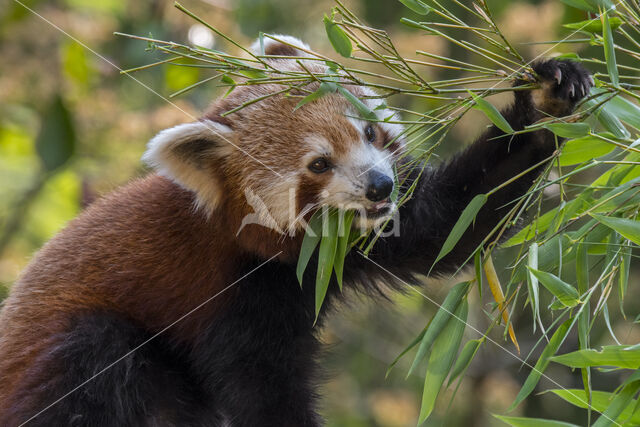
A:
x,y
380,186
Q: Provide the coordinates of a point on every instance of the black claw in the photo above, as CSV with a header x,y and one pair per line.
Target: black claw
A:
x,y
558,76
571,80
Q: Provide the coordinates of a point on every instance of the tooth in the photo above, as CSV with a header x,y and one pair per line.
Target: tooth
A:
x,y
558,75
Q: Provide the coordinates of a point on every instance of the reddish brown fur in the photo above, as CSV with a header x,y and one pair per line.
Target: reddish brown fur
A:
x,y
109,258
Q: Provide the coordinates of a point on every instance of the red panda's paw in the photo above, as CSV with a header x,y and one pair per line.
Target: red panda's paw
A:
x,y
563,83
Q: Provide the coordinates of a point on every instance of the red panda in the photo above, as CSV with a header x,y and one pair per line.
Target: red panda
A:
x,y
159,306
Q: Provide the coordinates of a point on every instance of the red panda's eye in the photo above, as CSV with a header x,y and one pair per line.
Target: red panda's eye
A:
x,y
370,133
319,165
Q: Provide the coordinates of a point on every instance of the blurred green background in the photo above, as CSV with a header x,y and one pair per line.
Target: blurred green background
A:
x,y
61,88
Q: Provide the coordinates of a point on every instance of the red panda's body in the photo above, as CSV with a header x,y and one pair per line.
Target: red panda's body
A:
x,y
160,306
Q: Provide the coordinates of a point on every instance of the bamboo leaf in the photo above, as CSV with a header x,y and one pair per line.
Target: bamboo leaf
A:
x,y
582,279
600,401
337,37
417,6
344,232
582,149
623,277
326,256
464,358
620,356
439,320
580,4
532,422
323,89
532,282
625,110
414,343
621,402
498,296
466,218
568,130
593,25
360,106
230,82
609,49
491,112
441,359
628,228
565,293
541,365
309,243
477,264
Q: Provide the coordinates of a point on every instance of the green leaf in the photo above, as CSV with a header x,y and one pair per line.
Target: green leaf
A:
x,y
620,356
464,358
477,264
623,277
582,279
582,149
625,110
417,6
628,228
609,49
253,74
565,293
466,218
593,25
326,257
532,282
532,422
611,123
600,401
323,89
415,342
56,141
338,38
344,232
413,24
621,402
491,112
309,243
610,113
580,4
362,108
568,130
441,359
439,320
543,361
228,81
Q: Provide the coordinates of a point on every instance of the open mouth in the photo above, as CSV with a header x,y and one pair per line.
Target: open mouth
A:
x,y
377,210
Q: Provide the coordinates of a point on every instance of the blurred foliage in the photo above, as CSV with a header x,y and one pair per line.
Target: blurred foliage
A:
x,y
72,128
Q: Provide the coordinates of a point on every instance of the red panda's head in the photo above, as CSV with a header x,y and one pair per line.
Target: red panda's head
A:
x,y
281,161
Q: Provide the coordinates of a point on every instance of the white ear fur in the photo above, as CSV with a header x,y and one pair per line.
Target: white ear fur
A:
x,y
180,153
270,45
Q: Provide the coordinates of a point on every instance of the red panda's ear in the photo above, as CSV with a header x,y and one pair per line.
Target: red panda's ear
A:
x,y
188,154
290,47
